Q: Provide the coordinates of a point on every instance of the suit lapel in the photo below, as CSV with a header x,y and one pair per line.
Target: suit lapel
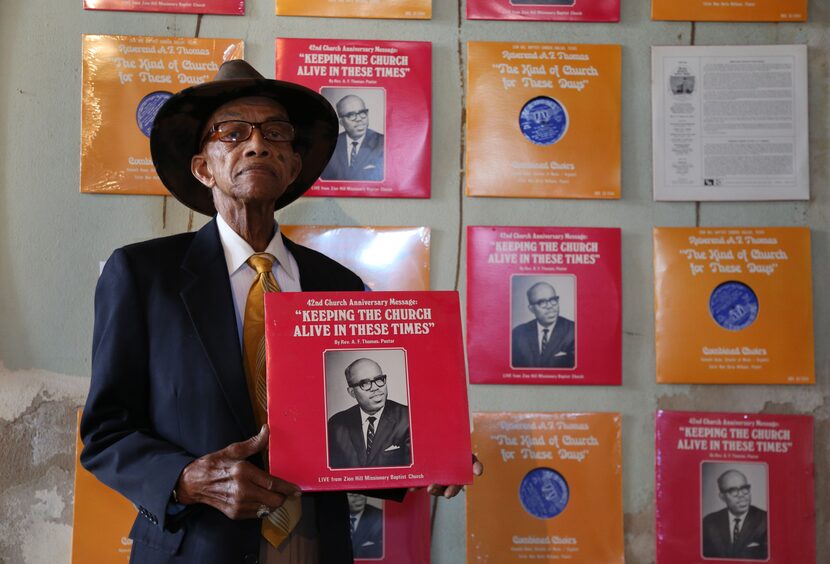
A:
x,y
356,435
556,338
384,431
209,301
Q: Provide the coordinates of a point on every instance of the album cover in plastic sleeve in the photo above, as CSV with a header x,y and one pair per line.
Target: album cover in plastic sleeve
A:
x,y
543,120
545,10
126,80
544,305
733,305
730,10
392,9
352,380
551,490
213,7
388,532
734,487
382,93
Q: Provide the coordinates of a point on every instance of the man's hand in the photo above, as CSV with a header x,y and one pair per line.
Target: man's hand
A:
x,y
231,484
452,491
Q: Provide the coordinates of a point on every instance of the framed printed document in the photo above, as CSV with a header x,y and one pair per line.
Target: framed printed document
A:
x,y
351,389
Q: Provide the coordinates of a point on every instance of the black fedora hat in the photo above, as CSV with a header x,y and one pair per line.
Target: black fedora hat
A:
x,y
177,130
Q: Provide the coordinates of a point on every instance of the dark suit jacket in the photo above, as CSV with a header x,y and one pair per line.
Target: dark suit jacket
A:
x,y
368,165
367,539
168,386
391,446
752,540
558,354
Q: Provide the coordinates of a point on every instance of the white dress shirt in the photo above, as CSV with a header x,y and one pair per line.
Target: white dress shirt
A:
x,y
540,333
349,146
365,419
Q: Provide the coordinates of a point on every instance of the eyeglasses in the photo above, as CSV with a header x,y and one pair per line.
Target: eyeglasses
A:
x,y
366,385
734,492
548,302
236,131
354,116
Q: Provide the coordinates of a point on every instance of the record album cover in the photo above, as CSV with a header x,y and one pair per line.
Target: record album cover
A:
x,y
382,93
388,532
352,379
545,10
733,305
395,9
544,305
734,487
543,120
552,482
126,80
730,10
214,7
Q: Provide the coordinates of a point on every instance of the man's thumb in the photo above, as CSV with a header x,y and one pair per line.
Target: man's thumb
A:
x,y
255,444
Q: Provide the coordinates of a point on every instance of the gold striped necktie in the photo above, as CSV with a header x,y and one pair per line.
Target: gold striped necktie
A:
x,y
277,526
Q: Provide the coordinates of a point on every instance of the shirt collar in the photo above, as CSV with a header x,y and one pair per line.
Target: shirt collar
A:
x,y
237,250
365,416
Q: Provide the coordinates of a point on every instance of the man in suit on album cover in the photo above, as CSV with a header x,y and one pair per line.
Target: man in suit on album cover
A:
x,y
375,431
739,530
548,340
358,154
367,527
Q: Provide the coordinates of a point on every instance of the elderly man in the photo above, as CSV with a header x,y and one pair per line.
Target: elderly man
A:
x,y
739,530
359,151
375,431
548,340
175,415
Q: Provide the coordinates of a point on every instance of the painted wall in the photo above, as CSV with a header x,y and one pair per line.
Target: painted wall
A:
x,y
52,239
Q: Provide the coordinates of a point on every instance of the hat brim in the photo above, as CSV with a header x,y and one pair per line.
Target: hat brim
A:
x,y
177,131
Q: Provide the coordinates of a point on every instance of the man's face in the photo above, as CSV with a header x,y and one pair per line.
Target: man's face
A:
x,y
544,304
373,399
250,171
356,502
735,493
353,116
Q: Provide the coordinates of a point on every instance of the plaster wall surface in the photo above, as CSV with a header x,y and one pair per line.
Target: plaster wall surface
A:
x,y
52,239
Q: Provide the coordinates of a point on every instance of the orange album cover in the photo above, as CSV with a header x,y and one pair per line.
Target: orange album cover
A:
x,y
730,10
126,80
386,258
733,305
543,120
395,9
552,482
102,518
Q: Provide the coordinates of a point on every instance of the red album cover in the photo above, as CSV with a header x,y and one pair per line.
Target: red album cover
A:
x,y
352,380
216,7
544,305
382,92
734,487
545,10
390,532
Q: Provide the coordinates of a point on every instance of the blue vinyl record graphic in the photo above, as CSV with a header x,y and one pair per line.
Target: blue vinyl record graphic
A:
x,y
147,109
544,493
733,305
543,120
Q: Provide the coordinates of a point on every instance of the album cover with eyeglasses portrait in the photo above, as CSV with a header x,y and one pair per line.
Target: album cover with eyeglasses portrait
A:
x,y
545,10
126,80
381,92
366,390
734,487
544,305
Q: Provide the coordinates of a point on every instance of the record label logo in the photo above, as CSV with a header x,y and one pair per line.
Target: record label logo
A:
x,y
544,493
733,305
147,109
543,120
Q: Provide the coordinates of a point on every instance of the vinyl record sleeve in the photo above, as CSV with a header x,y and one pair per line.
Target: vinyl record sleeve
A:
x,y
730,10
126,80
538,117
545,10
101,517
392,81
390,9
215,7
412,340
733,305
551,491
386,258
771,454
403,535
506,267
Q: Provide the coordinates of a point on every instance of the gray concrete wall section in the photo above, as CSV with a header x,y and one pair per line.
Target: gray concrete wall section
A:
x,y
52,239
